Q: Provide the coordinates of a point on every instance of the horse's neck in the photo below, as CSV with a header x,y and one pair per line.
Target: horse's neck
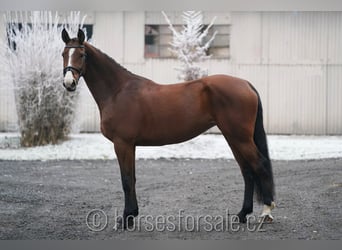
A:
x,y
103,75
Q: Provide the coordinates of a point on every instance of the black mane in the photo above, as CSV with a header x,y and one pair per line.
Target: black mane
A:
x,y
112,60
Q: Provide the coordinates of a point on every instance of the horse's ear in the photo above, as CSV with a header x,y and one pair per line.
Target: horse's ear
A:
x,y
80,36
65,36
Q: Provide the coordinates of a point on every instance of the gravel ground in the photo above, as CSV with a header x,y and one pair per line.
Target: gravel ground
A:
x,y
51,200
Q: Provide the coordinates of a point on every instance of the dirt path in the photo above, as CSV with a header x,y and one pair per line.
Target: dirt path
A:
x,y
51,200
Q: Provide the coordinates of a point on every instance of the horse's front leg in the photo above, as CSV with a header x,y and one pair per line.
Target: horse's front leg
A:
x,y
125,153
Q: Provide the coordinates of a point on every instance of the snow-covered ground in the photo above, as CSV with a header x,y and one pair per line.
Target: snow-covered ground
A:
x,y
208,146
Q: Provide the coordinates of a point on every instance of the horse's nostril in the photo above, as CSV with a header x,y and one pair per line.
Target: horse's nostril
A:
x,y
71,87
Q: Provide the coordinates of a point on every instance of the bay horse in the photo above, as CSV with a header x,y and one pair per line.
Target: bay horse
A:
x,y
136,111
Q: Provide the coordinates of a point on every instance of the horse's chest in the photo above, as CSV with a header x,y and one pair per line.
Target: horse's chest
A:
x,y
119,124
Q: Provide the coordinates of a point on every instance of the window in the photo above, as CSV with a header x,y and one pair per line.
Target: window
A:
x,y
89,30
220,47
87,27
158,38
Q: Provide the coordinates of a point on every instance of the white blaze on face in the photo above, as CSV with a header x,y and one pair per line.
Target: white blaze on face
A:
x,y
69,78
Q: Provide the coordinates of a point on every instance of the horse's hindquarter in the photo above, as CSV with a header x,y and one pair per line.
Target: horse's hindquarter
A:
x,y
234,104
229,92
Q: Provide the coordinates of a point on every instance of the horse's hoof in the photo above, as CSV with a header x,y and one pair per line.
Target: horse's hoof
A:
x,y
266,215
267,218
130,223
124,224
119,224
240,218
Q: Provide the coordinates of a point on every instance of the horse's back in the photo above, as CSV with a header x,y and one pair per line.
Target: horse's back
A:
x,y
227,82
230,89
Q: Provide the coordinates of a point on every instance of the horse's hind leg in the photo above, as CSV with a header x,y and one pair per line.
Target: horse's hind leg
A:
x,y
251,163
237,111
248,177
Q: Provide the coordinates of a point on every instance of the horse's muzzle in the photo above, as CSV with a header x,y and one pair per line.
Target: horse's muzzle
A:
x,y
69,81
71,87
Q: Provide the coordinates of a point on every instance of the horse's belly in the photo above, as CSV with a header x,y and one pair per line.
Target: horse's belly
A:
x,y
178,133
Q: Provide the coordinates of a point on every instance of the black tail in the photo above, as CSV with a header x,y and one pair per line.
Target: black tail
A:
x,y
260,141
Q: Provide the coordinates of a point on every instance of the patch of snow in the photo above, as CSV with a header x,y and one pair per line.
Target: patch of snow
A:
x,y
207,146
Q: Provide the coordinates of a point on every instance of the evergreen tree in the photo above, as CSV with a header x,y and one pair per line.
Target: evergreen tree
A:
x,y
189,45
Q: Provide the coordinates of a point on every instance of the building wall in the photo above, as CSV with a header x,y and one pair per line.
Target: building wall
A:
x,y
294,59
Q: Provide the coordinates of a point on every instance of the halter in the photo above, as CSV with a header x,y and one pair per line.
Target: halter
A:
x,y
70,68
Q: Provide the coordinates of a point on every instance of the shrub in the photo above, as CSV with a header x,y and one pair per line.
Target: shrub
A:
x,y
34,69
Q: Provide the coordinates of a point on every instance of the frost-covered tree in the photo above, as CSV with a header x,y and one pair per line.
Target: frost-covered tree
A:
x,y
34,68
189,45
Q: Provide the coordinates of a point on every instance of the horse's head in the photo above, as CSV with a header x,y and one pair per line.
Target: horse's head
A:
x,y
74,59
